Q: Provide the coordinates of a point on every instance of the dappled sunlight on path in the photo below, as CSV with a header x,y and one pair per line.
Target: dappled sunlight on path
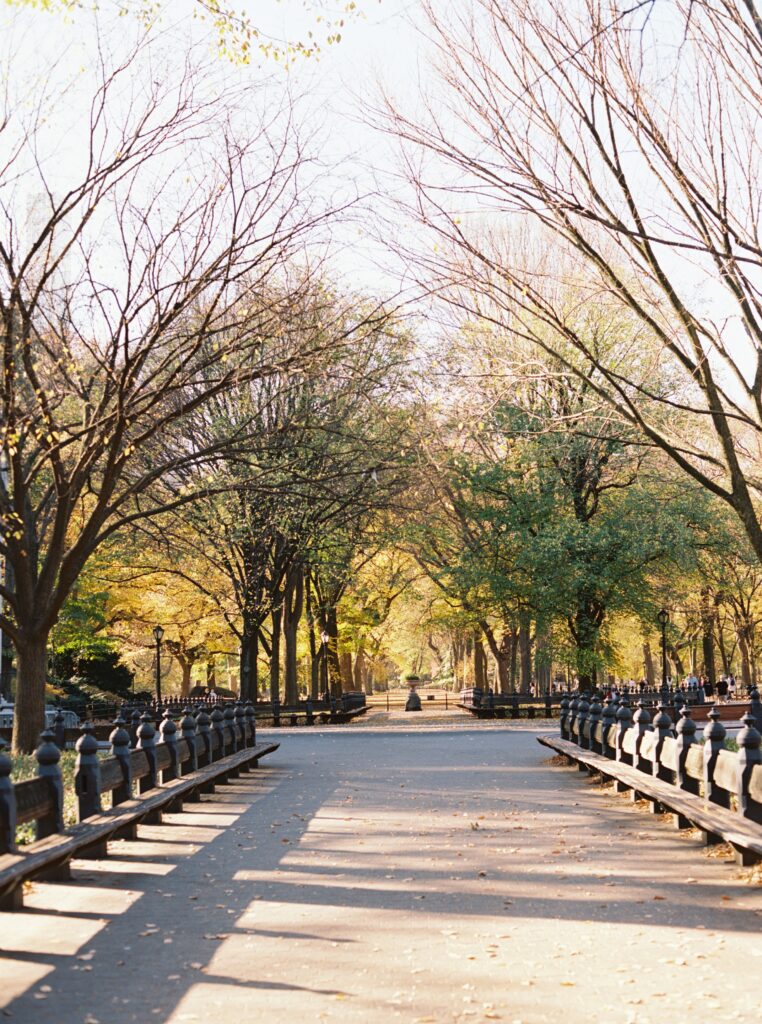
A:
x,y
410,874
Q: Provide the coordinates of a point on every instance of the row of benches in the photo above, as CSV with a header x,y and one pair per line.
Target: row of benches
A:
x,y
703,785
208,751
513,705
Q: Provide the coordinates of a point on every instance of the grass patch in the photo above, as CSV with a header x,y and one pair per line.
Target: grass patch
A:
x,y
25,767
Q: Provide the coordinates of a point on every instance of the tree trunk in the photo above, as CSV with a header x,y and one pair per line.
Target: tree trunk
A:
x,y
357,670
185,682
514,654
345,666
525,647
542,662
312,639
292,613
334,668
501,654
744,647
29,707
249,674
677,661
211,674
725,658
648,665
707,637
454,659
480,665
277,620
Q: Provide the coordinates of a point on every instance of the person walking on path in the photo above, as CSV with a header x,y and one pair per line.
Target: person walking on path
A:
x,y
722,689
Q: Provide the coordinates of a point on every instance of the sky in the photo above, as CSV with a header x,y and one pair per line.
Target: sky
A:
x,y
379,43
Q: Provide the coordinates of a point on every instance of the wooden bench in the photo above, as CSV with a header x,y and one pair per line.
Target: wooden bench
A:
x,y
717,823
211,752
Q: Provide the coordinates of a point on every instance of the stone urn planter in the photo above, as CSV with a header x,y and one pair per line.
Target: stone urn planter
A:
x,y
413,700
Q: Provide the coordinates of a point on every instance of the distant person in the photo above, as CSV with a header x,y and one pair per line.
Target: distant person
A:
x,y
732,686
692,682
706,682
722,689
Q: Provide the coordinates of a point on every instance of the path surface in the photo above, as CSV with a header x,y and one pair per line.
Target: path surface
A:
x,y
381,875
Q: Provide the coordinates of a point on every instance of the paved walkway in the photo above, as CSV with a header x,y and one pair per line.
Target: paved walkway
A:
x,y
381,875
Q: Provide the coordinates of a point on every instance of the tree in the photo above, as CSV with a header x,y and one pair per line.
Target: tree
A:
x,y
320,462
627,137
546,527
137,293
238,37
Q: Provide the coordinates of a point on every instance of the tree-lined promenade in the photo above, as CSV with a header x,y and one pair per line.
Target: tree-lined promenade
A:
x,y
296,484
415,415
441,874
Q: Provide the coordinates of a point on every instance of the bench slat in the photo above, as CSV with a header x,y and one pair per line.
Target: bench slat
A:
x,y
739,832
15,867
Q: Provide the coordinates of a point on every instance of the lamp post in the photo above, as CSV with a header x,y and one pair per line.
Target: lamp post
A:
x,y
158,633
324,638
663,618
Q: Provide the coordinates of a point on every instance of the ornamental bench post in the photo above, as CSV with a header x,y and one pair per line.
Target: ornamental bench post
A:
x,y
749,756
641,721
240,721
583,708
48,757
7,803
686,737
232,742
134,726
87,776
755,707
218,732
168,732
663,729
48,761
714,742
563,716
188,728
572,717
120,749
147,743
239,733
87,786
59,729
608,721
623,723
229,718
595,718
206,757
251,721
203,721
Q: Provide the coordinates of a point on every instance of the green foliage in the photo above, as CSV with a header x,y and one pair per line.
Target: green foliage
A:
x,y
25,767
80,648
